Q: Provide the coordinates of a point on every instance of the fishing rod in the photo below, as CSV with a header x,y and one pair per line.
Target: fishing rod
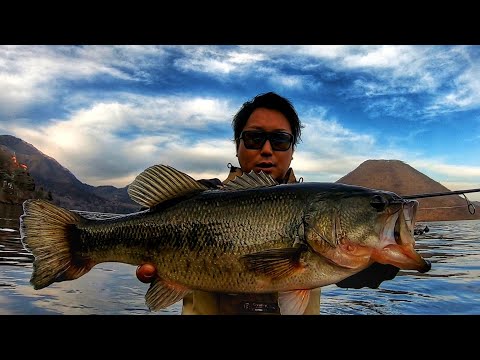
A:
x,y
456,192
471,207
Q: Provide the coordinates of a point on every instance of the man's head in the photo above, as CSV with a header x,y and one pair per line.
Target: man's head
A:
x,y
266,131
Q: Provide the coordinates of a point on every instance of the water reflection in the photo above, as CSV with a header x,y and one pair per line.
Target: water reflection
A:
x,y
11,249
452,286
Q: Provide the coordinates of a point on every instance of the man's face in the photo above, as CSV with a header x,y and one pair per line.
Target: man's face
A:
x,y
266,159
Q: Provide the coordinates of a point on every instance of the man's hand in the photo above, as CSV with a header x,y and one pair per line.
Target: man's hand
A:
x,y
370,277
146,273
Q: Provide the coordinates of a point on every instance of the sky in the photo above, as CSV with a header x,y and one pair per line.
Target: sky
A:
x,y
106,113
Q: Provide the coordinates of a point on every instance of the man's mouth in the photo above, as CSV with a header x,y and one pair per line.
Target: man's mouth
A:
x,y
264,165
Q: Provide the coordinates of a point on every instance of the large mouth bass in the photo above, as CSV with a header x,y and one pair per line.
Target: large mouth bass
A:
x,y
252,236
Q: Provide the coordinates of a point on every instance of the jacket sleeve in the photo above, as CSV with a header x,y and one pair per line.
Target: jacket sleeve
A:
x,y
370,277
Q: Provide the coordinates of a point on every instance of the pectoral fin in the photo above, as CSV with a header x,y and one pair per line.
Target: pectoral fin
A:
x,y
276,263
162,294
293,302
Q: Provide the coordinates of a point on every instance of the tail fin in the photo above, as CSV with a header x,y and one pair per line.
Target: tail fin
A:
x,y
46,231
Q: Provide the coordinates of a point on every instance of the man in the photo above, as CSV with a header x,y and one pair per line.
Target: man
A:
x,y
266,131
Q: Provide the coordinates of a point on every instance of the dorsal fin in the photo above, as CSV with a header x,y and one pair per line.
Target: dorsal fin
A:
x,y
159,183
250,180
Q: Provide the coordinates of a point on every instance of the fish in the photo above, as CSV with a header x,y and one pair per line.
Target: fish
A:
x,y
252,235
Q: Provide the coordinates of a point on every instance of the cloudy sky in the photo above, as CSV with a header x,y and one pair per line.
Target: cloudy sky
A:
x,y
108,112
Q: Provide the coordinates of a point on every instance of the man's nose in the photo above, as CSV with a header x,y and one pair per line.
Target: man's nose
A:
x,y
267,147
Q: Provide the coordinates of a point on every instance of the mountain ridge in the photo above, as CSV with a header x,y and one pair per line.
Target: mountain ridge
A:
x,y
67,191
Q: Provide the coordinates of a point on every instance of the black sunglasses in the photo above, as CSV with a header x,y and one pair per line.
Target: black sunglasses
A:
x,y
254,140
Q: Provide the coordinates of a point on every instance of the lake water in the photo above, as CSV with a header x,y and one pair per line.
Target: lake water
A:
x,y
452,286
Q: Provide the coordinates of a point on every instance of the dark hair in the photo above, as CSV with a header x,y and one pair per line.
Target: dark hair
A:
x,y
269,100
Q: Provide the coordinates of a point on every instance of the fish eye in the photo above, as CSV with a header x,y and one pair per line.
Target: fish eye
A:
x,y
378,202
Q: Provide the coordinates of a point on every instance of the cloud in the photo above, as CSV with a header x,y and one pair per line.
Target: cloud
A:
x,y
215,60
448,170
465,93
34,74
328,150
115,141
327,136
378,57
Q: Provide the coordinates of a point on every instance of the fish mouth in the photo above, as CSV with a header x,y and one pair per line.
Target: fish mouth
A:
x,y
397,241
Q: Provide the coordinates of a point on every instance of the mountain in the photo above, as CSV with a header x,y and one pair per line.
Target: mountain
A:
x,y
401,178
66,190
